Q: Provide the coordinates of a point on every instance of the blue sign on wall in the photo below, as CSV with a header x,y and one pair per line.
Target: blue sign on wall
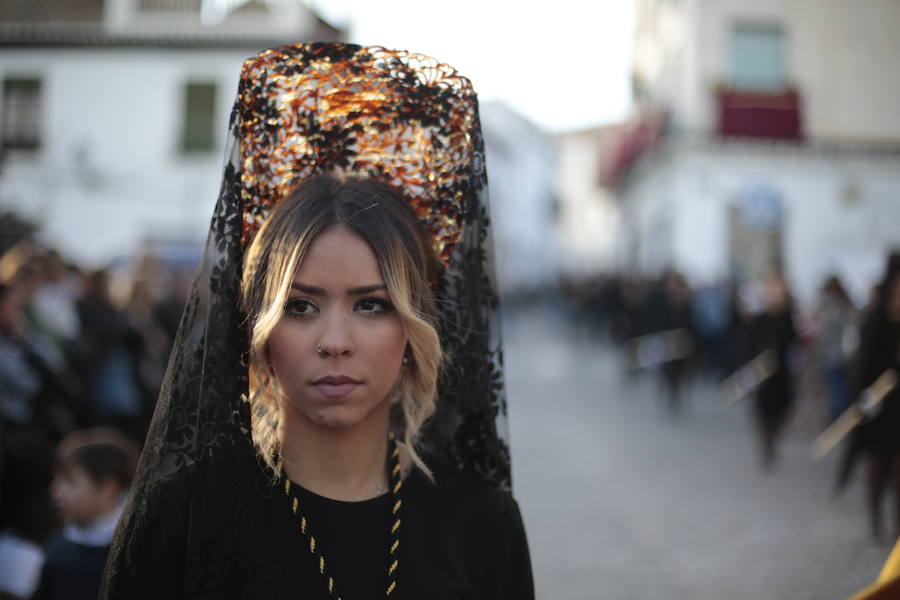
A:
x,y
761,206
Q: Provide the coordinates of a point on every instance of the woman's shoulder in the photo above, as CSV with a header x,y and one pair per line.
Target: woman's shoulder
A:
x,y
455,490
478,526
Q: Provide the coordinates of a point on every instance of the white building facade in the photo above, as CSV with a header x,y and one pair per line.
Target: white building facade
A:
x,y
114,119
783,141
588,213
520,165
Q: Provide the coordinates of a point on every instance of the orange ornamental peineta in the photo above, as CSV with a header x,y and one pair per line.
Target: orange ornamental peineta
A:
x,y
354,111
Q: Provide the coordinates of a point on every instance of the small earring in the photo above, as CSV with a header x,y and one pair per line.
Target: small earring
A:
x,y
405,360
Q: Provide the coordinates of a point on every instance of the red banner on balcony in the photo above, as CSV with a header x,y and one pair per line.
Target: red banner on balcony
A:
x,y
773,115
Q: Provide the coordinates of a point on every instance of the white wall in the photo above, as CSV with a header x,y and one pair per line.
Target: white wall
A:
x,y
284,18
701,241
109,172
520,164
588,214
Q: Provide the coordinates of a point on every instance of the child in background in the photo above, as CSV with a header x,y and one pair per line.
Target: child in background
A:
x,y
94,470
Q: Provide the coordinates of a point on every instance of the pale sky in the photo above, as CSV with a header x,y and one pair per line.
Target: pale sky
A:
x,y
562,64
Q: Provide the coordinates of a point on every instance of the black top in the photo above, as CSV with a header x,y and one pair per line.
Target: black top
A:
x,y
879,350
71,571
460,538
775,331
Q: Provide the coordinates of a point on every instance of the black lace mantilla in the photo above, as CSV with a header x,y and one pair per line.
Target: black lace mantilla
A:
x,y
192,498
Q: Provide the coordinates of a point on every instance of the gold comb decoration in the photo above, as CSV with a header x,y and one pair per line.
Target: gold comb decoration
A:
x,y
346,110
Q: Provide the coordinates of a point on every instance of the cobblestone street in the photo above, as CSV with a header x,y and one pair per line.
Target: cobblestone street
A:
x,y
622,502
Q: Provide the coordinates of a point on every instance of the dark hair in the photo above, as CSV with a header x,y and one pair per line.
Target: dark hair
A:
x,y
104,454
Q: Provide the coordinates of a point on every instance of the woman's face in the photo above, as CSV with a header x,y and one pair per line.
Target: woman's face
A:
x,y
338,301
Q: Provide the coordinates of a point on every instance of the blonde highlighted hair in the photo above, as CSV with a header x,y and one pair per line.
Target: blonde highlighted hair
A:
x,y
384,219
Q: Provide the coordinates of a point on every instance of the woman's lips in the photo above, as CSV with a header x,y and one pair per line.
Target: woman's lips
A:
x,y
335,390
335,387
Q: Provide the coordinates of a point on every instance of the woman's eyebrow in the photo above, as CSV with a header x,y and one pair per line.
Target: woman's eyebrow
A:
x,y
307,289
366,289
354,291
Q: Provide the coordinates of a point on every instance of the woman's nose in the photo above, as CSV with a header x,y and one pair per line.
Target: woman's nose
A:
x,y
336,338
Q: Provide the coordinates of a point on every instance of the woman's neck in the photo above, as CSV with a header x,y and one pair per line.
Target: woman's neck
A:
x,y
341,464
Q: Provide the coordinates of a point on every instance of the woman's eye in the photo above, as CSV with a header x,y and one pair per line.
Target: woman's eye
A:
x,y
374,305
299,307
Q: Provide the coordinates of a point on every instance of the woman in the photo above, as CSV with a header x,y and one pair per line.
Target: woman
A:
x,y
316,327
836,318
877,437
774,331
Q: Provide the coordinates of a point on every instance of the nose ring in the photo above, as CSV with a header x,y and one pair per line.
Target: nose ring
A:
x,y
319,350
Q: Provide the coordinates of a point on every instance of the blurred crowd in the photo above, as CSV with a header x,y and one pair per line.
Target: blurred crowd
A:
x,y
82,349
832,361
82,356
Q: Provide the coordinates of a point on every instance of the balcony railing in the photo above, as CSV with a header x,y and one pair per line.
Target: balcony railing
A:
x,y
772,115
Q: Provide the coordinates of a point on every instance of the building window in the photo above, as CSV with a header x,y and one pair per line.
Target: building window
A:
x,y
21,114
757,57
198,121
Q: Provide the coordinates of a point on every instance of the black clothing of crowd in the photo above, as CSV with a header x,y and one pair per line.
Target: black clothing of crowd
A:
x,y
730,325
878,438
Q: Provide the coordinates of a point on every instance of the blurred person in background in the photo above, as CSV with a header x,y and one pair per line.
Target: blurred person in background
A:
x,y
111,347
749,300
150,348
37,390
93,472
32,278
169,308
878,437
21,378
635,319
615,309
773,330
677,304
712,315
835,343
54,303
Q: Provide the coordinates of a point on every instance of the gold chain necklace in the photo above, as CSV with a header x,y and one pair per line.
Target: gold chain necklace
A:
x,y
315,551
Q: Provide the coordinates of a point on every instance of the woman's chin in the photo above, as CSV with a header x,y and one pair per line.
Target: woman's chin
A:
x,y
334,421
342,416
338,414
